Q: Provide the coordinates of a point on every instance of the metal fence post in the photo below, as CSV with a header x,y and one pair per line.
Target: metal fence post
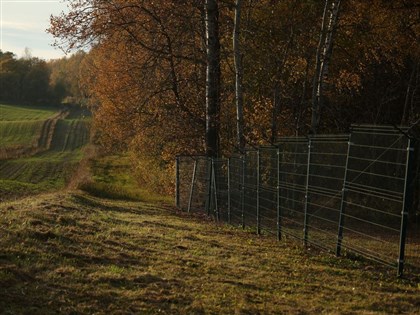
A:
x,y
305,220
243,192
192,185
407,203
342,204
209,184
228,193
258,192
214,188
177,181
278,196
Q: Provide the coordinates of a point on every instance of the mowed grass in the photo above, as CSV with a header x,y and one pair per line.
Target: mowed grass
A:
x,y
79,254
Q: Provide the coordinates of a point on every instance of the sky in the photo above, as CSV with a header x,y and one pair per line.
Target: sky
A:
x,y
23,24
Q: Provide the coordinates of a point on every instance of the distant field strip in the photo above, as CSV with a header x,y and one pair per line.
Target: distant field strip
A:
x,y
20,133
23,113
25,131
69,137
58,148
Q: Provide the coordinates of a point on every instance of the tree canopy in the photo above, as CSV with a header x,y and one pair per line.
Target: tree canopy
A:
x,y
146,70
36,81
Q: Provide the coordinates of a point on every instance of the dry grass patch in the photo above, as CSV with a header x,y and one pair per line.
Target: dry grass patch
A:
x,y
74,253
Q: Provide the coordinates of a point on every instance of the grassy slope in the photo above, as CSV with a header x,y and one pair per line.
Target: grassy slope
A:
x,y
22,133
74,253
111,178
22,125
23,113
50,169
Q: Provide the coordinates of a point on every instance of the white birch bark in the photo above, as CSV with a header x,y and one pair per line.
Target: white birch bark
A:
x,y
323,58
239,99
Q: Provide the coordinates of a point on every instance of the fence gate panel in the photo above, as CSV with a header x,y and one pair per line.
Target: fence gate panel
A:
x,y
374,192
250,198
326,176
236,168
185,174
221,181
268,189
293,168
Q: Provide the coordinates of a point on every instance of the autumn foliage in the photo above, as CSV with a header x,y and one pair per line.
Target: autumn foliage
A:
x,y
145,73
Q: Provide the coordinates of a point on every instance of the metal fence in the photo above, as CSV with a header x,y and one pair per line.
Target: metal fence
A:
x,y
338,192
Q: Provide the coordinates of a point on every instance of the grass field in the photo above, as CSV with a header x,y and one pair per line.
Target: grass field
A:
x,y
25,113
79,254
114,248
111,177
13,133
58,146
22,126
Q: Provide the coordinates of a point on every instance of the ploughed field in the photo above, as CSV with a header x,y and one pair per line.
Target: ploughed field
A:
x,y
40,148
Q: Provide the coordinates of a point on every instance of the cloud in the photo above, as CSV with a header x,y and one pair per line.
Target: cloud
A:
x,y
44,52
24,23
20,26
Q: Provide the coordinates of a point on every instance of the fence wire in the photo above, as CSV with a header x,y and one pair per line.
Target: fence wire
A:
x,y
338,192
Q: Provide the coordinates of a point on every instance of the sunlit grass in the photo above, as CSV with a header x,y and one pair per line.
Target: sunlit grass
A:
x,y
22,133
43,170
25,113
112,177
82,254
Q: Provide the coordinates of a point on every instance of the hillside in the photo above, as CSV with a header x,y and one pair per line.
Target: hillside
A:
x,y
41,148
94,252
78,254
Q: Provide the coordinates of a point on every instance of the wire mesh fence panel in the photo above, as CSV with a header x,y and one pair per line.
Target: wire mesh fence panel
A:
x,y
186,170
292,175
374,193
268,192
328,155
221,185
250,200
412,248
193,182
334,191
236,169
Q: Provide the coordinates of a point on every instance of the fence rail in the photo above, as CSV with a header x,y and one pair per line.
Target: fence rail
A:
x,y
339,192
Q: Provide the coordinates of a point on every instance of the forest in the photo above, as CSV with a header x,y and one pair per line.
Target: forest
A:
x,y
211,77
34,81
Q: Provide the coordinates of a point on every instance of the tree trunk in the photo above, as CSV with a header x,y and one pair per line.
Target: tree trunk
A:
x,y
323,57
409,95
238,78
212,78
276,113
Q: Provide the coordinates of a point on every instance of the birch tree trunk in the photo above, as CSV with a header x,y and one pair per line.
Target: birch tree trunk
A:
x,y
323,57
212,78
238,78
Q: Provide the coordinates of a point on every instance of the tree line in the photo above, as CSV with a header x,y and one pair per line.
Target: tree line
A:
x,y
31,80
211,77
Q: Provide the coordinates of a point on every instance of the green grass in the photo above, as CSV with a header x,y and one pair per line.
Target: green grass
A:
x,y
79,254
47,170
112,178
25,113
20,133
